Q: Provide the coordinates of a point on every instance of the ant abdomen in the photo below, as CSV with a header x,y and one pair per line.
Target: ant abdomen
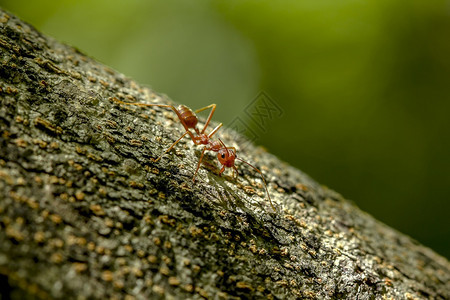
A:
x,y
188,116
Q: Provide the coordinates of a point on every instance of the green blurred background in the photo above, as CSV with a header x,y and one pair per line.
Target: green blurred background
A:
x,y
364,85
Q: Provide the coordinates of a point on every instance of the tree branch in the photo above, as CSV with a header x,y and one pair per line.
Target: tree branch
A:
x,y
84,211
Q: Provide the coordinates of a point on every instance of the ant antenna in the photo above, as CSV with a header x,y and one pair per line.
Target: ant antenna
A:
x,y
262,177
225,146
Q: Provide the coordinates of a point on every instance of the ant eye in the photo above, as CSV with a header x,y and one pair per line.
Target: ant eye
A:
x,y
223,155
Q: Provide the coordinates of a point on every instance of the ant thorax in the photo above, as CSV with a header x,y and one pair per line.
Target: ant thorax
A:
x,y
214,145
203,139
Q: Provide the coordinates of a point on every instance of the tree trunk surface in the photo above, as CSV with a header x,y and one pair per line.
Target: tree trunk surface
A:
x,y
85,213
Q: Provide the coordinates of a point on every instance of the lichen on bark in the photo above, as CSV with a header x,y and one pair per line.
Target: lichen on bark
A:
x,y
84,212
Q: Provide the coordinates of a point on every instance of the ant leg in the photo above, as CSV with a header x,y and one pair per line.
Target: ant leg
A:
x,y
170,148
160,105
214,130
225,147
222,170
232,148
235,170
143,104
213,109
262,177
198,165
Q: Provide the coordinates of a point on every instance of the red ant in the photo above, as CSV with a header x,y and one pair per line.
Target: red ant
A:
x,y
189,120
227,156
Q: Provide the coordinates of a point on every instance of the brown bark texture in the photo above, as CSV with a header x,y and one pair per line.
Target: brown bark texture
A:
x,y
85,213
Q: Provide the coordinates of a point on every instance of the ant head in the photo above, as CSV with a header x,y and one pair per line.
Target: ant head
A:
x,y
226,156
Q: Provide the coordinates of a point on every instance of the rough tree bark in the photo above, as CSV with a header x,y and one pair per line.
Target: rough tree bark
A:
x,y
85,213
